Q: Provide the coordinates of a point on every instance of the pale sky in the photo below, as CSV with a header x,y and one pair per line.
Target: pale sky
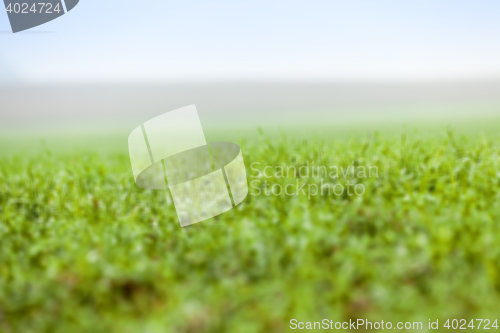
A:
x,y
162,41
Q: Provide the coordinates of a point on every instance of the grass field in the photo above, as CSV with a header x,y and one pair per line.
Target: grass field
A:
x,y
83,249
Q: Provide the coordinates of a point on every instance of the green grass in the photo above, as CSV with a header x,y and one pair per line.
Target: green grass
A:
x,y
83,249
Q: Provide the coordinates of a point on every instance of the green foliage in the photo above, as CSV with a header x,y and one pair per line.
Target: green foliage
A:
x,y
83,249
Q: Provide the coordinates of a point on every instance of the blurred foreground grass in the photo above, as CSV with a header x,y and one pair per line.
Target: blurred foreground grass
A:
x,y
83,249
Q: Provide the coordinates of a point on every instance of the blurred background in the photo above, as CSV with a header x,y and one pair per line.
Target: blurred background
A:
x,y
409,86
107,66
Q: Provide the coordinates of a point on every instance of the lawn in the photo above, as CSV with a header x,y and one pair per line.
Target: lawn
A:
x,y
83,249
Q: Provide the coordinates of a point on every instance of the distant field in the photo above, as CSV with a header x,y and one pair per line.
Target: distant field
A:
x,y
83,249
